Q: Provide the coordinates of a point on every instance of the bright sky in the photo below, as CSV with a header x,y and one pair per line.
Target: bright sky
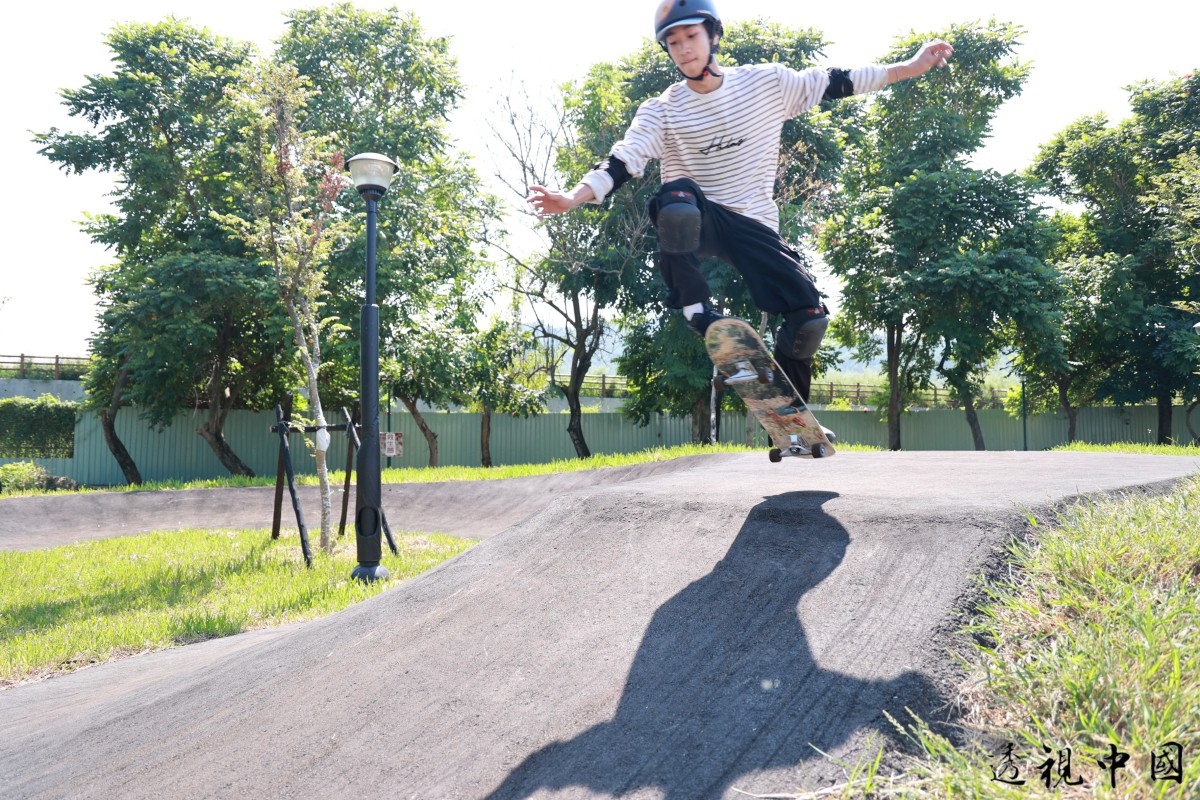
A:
x,y
1082,57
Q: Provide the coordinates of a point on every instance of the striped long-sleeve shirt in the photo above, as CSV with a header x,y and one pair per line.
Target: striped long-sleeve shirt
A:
x,y
727,140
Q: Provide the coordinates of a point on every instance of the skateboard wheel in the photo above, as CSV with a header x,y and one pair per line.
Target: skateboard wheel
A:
x,y
776,455
719,383
818,451
764,375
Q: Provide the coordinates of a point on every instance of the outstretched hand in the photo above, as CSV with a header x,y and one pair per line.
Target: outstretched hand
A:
x,y
548,201
932,54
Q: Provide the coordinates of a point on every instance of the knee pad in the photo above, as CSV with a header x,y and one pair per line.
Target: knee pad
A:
x,y
678,221
801,333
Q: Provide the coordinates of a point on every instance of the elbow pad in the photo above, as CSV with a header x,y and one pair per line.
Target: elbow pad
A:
x,y
616,170
840,84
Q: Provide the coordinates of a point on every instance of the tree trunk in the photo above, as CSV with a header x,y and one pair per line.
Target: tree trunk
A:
x,y
211,431
326,498
310,356
973,421
1072,411
322,465
575,426
579,368
108,421
430,436
1187,418
220,400
962,389
485,437
895,393
701,420
1166,404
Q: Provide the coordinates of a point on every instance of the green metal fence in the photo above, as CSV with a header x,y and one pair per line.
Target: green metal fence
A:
x,y
178,453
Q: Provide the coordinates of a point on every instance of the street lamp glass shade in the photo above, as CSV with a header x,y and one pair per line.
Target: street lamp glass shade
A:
x,y
372,172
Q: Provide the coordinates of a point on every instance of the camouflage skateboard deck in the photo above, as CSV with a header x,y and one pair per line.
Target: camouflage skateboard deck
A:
x,y
736,348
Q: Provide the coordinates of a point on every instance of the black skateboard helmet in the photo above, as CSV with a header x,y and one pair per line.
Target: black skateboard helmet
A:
x,y
686,12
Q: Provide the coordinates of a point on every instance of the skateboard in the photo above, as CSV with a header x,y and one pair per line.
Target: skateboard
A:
x,y
745,365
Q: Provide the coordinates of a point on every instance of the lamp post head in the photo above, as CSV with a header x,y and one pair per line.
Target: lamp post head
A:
x,y
372,174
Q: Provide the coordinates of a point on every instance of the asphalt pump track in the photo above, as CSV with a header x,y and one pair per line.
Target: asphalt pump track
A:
x,y
717,626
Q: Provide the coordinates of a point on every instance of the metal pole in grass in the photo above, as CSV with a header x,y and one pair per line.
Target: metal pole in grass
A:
x,y
1024,428
372,174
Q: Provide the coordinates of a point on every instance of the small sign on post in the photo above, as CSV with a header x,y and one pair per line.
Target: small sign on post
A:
x,y
391,444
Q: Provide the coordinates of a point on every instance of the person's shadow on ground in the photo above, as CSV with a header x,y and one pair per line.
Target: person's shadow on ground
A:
x,y
724,682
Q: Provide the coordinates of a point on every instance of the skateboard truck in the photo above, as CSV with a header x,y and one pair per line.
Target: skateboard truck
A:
x,y
795,449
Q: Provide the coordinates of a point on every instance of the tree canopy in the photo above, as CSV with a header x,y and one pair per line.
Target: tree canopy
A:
x,y
1131,181
944,260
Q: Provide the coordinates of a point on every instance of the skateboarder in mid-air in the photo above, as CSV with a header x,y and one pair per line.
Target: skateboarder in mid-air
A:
x,y
716,135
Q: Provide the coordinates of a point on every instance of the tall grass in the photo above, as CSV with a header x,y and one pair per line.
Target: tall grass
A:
x,y
1092,642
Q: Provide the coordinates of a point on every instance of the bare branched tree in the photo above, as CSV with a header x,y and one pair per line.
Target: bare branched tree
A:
x,y
576,262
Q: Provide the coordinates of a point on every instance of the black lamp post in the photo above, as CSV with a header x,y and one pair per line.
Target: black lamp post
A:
x,y
372,174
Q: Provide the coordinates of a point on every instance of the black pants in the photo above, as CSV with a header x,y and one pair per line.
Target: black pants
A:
x,y
775,275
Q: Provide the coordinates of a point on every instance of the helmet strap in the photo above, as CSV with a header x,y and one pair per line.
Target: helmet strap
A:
x,y
703,74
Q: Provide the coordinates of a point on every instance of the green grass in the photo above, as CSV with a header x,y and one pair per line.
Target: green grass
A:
x,y
1131,447
1094,640
66,607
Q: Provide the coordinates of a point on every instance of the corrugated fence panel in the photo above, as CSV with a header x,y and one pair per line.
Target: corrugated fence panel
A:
x,y
947,429
179,453
530,440
856,427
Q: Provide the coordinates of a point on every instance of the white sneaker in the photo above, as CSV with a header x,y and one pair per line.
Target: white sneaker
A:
x,y
746,373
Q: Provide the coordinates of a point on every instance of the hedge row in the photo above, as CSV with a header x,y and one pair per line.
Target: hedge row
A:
x,y
42,428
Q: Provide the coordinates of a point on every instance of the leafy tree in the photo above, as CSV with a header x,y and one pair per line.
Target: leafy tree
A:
x,y
1066,372
431,362
1119,174
679,385
291,184
163,125
376,78
940,258
1177,196
381,84
988,287
192,330
576,272
502,378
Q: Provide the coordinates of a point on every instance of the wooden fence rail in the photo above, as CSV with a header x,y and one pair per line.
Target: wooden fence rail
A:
x,y
43,367
823,392
868,394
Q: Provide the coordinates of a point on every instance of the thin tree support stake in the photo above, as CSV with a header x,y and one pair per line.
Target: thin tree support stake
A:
x,y
281,428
